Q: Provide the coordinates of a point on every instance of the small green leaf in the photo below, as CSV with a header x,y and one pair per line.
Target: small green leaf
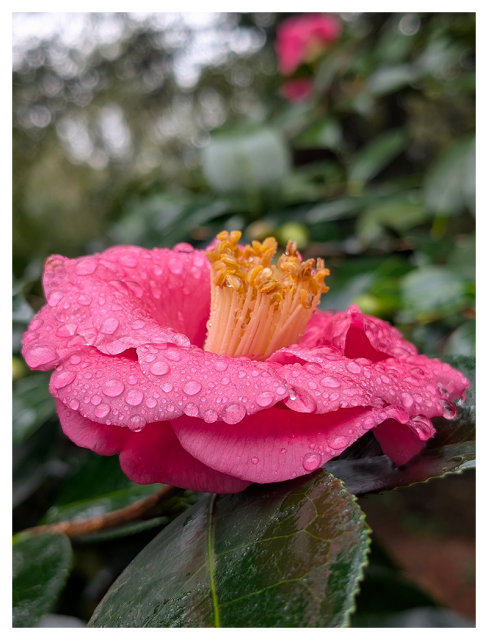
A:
x,y
450,182
375,156
101,505
286,555
40,568
431,291
246,160
388,79
452,450
32,405
462,341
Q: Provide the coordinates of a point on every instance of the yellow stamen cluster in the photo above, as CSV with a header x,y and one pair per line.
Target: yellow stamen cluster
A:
x,y
258,307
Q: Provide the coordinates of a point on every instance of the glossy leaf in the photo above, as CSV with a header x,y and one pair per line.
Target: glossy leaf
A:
x,y
450,183
32,405
286,555
40,568
452,450
375,156
462,340
100,506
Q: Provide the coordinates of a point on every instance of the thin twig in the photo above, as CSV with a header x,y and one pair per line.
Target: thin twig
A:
x,y
81,527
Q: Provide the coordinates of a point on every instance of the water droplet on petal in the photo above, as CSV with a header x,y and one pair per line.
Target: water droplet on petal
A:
x,y
63,379
311,461
109,325
353,367
175,265
407,400
339,442
138,324
167,387
75,359
95,400
84,300
192,387
66,330
210,416
159,368
265,399
283,450
40,354
74,404
113,388
330,382
102,410
233,413
85,267
448,409
254,460
134,397
191,409
136,423
221,365
54,298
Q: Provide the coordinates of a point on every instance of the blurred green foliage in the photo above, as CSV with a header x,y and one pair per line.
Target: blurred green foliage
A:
x,y
153,129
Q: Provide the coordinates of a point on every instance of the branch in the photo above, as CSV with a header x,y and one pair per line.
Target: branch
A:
x,y
81,527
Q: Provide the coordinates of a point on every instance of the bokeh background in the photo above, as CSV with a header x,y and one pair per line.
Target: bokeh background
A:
x,y
153,129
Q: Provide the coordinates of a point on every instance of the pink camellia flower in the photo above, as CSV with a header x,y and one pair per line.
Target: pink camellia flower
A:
x,y
302,38
213,371
297,90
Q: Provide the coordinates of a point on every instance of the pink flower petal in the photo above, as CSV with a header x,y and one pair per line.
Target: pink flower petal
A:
x,y
153,455
398,441
356,335
120,299
277,444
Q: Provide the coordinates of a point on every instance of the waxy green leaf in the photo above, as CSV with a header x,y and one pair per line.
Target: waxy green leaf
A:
x,y
286,555
40,568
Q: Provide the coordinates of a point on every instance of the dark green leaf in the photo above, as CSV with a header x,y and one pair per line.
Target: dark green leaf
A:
x,y
100,506
388,79
124,530
399,214
40,568
452,450
450,183
287,555
32,405
375,156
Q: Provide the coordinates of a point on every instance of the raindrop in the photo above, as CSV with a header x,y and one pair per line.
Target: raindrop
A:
x,y
67,330
74,404
448,409
353,367
329,382
63,379
109,325
339,442
134,397
407,400
167,387
283,450
95,400
191,409
136,423
233,413
254,460
192,387
39,354
54,298
210,416
84,300
175,266
151,403
311,461
221,365
102,410
85,267
265,399
159,368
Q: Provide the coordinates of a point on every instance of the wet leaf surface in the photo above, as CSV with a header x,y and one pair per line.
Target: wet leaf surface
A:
x,y
287,555
40,568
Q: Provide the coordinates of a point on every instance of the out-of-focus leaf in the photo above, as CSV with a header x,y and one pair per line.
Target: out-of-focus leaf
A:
x,y
399,214
324,133
463,257
55,621
285,555
22,314
333,210
419,617
99,506
40,568
246,160
462,341
32,405
370,160
124,530
431,290
450,182
388,79
452,450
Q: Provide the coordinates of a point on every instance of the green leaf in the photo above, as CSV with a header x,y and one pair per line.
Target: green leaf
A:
x,y
462,340
325,133
432,291
452,450
285,555
392,78
101,505
375,156
398,214
450,182
246,160
124,530
32,405
40,568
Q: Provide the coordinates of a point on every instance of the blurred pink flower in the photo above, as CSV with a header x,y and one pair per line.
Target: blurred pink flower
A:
x,y
297,90
300,38
124,331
